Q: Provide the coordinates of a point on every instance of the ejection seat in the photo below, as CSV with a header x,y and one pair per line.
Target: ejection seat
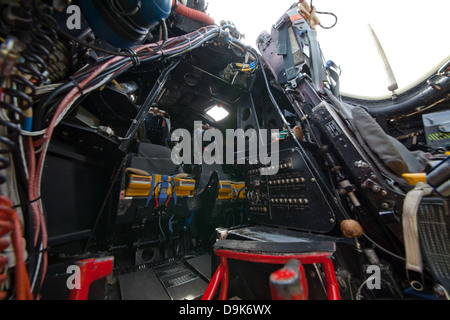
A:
x,y
152,178
154,193
393,153
151,172
425,223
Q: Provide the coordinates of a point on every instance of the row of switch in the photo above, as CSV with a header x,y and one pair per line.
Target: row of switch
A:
x,y
259,209
287,181
272,168
290,201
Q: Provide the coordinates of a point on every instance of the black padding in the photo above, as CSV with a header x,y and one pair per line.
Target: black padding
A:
x,y
259,247
154,159
392,152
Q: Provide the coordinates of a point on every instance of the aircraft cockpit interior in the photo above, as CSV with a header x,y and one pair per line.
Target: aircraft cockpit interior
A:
x,y
149,153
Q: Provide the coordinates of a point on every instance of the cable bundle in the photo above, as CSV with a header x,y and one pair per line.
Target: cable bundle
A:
x,y
52,109
9,222
37,98
16,93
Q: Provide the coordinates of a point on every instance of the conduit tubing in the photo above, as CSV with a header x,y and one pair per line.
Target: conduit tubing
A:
x,y
9,222
191,13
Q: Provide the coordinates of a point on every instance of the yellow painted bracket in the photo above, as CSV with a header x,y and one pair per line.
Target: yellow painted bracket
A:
x,y
229,190
139,186
415,178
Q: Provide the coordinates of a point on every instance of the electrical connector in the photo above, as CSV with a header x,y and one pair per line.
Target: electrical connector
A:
x,y
107,130
10,51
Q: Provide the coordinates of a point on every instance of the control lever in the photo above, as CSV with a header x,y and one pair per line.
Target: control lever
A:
x,y
289,283
352,230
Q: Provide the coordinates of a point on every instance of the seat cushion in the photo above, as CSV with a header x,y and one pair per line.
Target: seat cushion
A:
x,y
391,151
154,158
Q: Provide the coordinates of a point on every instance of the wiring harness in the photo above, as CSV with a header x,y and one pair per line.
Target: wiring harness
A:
x,y
28,92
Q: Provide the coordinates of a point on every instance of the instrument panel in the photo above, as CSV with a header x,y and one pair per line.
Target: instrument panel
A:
x,y
292,198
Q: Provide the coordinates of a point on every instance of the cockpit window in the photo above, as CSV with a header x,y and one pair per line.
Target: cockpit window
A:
x,y
412,34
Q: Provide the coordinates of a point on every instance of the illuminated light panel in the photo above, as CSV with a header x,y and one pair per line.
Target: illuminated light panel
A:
x,y
217,113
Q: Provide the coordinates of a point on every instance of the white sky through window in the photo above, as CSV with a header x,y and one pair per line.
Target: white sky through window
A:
x,y
414,35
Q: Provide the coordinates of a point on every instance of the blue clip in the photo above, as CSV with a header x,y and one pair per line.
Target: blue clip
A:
x,y
150,195
28,124
188,222
174,195
163,189
164,185
302,32
170,223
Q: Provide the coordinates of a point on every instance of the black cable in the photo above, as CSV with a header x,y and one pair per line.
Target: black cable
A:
x,y
43,113
40,111
50,22
237,204
93,47
108,195
164,35
23,205
305,157
161,229
344,214
331,14
107,105
383,249
119,9
143,111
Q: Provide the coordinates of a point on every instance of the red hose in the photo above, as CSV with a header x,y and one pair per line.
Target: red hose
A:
x,y
5,228
192,13
9,222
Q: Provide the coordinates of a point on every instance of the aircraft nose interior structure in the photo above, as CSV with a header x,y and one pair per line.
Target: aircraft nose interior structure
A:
x,y
148,153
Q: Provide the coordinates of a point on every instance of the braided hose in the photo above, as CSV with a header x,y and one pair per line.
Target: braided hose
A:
x,y
10,223
192,13
5,228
